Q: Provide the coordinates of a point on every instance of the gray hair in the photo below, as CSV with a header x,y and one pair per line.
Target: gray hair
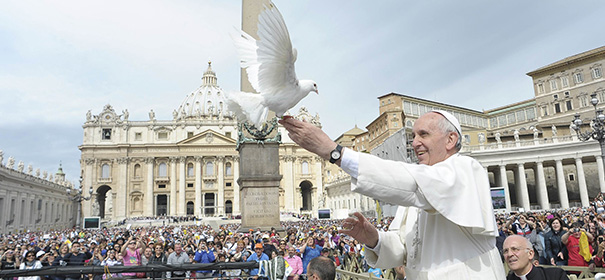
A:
x,y
447,127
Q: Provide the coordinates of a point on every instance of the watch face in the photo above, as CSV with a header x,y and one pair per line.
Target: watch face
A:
x,y
335,154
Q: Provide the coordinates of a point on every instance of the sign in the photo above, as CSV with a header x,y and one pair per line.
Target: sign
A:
x,y
498,199
92,222
323,213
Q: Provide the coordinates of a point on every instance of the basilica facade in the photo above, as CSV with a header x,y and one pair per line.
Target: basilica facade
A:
x,y
188,165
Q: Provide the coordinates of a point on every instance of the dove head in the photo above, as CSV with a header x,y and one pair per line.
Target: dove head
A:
x,y
308,86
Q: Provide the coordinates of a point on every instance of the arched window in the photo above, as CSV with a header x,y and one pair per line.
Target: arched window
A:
x,y
190,208
305,167
190,170
105,171
137,170
228,171
162,170
209,168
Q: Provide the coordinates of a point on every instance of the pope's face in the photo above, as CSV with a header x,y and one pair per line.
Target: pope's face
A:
x,y
431,143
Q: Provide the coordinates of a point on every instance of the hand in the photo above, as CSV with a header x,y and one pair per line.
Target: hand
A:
x,y
309,136
360,228
552,261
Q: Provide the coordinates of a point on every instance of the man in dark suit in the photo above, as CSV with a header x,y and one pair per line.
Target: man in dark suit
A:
x,y
519,253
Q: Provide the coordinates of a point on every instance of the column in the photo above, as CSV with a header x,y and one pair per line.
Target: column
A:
x,y
236,202
319,183
148,196
198,186
561,184
582,183
288,181
182,198
173,162
122,211
89,177
220,161
522,187
601,173
541,186
504,184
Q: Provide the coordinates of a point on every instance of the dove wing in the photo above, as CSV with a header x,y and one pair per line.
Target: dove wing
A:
x,y
269,61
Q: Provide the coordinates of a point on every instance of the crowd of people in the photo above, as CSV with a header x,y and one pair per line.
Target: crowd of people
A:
x,y
180,243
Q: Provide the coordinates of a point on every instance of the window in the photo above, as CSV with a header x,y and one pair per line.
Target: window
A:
x,y
568,105
105,171
228,134
511,118
106,134
305,167
407,107
138,136
228,184
596,73
162,186
555,96
540,87
502,120
162,170
544,110
521,115
190,208
190,170
553,84
564,82
163,135
530,113
189,134
566,94
209,168
228,171
572,177
578,78
557,108
190,185
137,170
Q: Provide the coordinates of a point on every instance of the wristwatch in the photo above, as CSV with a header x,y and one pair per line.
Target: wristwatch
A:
x,y
335,154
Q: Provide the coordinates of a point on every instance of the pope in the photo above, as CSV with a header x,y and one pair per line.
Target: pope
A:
x,y
447,229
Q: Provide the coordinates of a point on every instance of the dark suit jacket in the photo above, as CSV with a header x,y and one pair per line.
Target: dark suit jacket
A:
x,y
542,273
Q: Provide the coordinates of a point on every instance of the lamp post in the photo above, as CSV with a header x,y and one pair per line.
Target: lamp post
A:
x,y
78,198
597,131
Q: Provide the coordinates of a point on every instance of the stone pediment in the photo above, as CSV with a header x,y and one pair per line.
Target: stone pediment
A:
x,y
207,137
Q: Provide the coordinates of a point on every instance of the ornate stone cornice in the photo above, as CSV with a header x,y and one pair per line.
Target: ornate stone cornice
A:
x,y
89,161
149,160
287,158
198,159
220,159
123,160
182,159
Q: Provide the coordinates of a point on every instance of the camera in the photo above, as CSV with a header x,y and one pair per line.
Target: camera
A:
x,y
600,239
575,230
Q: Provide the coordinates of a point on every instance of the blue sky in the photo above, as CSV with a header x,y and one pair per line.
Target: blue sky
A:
x,y
59,59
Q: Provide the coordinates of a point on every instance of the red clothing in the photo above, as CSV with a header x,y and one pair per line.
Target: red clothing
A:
x,y
573,249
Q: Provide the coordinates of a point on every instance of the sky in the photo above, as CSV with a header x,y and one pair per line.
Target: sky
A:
x,y
59,59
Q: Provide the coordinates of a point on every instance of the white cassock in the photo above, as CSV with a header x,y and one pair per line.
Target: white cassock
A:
x,y
450,230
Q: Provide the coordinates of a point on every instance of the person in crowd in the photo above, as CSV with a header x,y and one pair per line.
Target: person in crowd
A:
x,y
519,255
295,263
30,262
520,225
309,251
571,239
77,257
147,255
447,192
555,250
178,257
268,247
321,268
132,252
257,256
9,261
204,255
158,257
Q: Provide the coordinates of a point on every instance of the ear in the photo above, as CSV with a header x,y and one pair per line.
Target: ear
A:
x,y
452,139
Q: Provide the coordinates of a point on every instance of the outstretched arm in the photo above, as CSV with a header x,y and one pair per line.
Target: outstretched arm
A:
x,y
310,137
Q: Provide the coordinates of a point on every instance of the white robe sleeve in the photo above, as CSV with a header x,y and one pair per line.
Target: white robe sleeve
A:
x,y
457,188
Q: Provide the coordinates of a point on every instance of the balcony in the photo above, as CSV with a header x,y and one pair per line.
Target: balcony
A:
x,y
104,180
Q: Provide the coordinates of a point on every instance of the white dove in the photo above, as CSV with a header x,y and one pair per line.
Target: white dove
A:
x,y
269,63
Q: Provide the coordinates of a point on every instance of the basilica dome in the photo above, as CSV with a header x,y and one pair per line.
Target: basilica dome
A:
x,y
206,101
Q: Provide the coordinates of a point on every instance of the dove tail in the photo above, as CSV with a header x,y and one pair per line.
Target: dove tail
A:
x,y
248,106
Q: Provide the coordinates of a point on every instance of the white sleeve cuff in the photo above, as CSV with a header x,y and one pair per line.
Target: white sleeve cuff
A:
x,y
376,248
350,162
